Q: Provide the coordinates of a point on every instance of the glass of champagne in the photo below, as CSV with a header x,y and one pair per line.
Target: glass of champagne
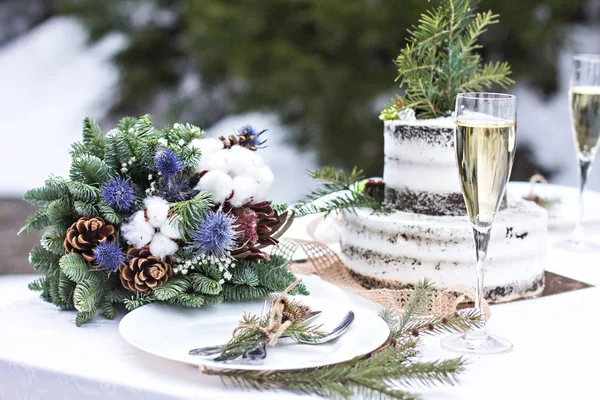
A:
x,y
584,100
485,140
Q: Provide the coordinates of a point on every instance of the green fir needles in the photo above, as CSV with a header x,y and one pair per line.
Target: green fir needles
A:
x,y
440,60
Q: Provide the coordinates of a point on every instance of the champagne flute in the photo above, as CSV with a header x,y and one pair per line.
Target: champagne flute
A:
x,y
584,100
485,139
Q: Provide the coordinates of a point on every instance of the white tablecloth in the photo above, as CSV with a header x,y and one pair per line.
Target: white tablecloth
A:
x,y
44,356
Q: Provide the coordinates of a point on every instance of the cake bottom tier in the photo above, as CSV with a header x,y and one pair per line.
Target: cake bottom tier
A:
x,y
399,249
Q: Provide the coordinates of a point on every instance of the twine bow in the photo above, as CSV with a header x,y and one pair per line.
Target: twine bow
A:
x,y
275,325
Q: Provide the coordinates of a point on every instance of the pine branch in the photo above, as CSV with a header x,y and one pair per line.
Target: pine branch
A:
x,y
336,194
190,212
88,293
35,222
172,288
53,240
205,285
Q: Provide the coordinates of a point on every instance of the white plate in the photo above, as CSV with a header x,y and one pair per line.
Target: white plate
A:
x,y
563,213
170,332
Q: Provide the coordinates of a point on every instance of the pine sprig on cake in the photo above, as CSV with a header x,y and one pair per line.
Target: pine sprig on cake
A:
x,y
340,191
440,61
157,215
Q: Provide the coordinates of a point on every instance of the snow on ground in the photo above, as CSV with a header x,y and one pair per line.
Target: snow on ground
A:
x,y
50,80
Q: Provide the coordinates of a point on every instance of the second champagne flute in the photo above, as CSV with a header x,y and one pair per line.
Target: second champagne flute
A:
x,y
485,139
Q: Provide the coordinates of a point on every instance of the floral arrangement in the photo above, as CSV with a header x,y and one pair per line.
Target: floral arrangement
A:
x,y
149,215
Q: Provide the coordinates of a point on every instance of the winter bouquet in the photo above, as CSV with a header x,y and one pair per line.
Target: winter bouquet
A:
x,y
150,215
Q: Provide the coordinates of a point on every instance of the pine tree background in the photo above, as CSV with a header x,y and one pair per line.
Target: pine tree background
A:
x,y
325,67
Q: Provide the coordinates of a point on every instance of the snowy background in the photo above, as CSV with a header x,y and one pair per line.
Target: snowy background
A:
x,y
51,79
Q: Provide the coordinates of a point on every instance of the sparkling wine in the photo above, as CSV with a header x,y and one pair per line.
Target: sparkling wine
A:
x,y
585,116
485,151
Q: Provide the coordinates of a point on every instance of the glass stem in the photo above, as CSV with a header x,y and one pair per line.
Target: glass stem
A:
x,y
584,170
482,239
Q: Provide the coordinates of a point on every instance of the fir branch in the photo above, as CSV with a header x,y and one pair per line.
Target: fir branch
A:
x,y
54,188
172,288
337,193
85,209
439,60
35,222
89,169
137,300
83,317
205,285
76,268
37,285
239,293
43,260
88,293
244,274
83,192
108,309
53,240
190,212
109,213
192,300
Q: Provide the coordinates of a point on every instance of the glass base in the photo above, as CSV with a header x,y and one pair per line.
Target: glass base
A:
x,y
476,344
579,245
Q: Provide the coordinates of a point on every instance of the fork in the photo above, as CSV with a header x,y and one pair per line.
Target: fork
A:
x,y
257,353
210,351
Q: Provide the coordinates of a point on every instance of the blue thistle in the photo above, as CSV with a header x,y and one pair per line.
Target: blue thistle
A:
x,y
119,194
250,138
109,256
215,235
167,163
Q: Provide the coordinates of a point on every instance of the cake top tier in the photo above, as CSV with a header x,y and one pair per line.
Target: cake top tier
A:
x,y
420,171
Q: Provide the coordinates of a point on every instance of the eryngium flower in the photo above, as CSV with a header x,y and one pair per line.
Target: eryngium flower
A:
x,y
215,235
119,194
167,163
109,256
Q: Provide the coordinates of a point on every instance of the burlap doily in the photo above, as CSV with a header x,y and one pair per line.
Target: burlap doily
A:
x,y
324,262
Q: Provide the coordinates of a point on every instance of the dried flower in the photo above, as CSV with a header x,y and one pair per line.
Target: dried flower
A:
x,y
119,194
167,163
215,235
109,256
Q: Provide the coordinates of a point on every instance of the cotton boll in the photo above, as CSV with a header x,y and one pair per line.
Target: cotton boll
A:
x,y
207,146
218,183
157,210
137,231
161,246
264,178
244,189
170,229
239,160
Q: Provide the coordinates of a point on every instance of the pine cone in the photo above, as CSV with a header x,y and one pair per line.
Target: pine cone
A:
x,y
85,234
144,272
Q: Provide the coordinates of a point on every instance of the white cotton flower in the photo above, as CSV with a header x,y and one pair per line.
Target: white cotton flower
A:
x,y
162,246
157,210
170,228
239,161
217,161
244,190
218,183
137,231
264,178
207,146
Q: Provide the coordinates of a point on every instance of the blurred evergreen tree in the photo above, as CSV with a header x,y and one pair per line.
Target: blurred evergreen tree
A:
x,y
325,67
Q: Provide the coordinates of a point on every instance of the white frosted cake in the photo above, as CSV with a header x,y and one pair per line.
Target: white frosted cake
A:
x,y
429,234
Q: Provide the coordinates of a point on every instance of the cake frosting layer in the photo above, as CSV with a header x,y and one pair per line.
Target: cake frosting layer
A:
x,y
402,248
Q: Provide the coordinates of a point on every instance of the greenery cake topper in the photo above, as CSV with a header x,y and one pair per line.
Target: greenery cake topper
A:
x,y
440,61
149,215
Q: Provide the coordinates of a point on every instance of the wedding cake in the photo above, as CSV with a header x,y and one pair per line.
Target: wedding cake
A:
x,y
428,233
